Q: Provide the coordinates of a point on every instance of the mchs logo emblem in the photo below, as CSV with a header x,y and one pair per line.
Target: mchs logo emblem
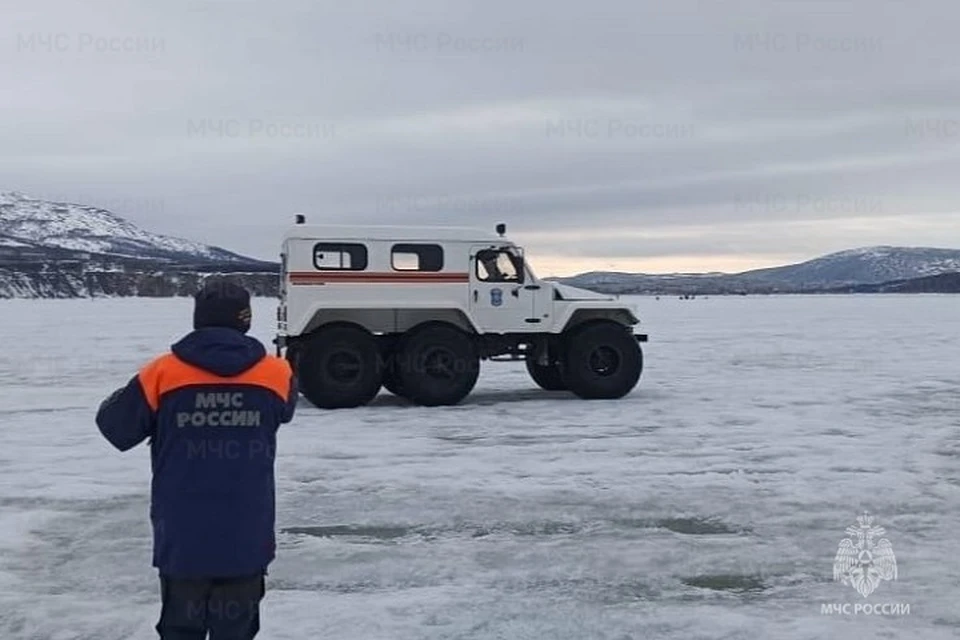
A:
x,y
863,560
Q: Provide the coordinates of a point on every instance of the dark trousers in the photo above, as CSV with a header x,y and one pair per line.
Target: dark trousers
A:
x,y
227,608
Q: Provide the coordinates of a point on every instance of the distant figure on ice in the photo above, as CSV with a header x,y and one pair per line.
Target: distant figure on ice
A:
x,y
210,409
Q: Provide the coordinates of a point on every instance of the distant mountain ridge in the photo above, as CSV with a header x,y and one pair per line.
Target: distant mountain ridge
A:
x,y
868,265
845,269
58,249
66,250
40,225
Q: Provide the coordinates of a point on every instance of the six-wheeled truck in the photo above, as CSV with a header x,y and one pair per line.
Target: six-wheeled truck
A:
x,y
415,310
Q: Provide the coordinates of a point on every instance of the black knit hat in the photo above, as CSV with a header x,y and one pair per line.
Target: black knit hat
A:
x,y
222,303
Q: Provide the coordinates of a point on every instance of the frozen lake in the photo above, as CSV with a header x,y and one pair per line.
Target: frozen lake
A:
x,y
708,504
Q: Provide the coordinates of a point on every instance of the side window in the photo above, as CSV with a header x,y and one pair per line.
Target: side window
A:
x,y
496,266
339,257
417,257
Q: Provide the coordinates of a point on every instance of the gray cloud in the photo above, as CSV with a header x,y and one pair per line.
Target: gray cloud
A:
x,y
728,127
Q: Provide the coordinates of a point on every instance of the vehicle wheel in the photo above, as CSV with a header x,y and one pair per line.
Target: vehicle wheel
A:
x,y
437,365
602,361
293,356
549,377
338,368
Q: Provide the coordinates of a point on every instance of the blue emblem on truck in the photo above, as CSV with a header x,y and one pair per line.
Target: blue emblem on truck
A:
x,y
496,297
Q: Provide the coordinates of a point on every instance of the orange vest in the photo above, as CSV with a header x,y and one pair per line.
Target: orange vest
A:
x,y
169,373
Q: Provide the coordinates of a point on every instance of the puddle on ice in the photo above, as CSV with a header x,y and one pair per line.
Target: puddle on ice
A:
x,y
726,582
394,532
536,529
376,532
693,526
461,439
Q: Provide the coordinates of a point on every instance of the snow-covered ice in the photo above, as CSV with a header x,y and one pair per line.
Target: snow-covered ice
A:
x,y
708,504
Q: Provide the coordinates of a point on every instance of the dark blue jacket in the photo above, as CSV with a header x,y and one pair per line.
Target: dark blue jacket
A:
x,y
211,409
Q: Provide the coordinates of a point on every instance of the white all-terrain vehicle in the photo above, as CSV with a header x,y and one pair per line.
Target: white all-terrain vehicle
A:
x,y
415,310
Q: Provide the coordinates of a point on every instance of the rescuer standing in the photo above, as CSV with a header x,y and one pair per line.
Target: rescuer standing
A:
x,y
210,410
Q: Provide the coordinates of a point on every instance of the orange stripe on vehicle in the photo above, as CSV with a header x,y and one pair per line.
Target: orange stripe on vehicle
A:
x,y
169,373
310,277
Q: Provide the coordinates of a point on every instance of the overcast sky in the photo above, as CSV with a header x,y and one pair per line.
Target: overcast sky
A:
x,y
633,135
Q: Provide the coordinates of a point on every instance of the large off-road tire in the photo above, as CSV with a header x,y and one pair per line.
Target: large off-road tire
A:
x,y
293,355
436,365
548,377
602,361
338,367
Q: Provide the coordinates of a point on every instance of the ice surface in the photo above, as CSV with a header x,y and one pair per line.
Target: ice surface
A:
x,y
708,504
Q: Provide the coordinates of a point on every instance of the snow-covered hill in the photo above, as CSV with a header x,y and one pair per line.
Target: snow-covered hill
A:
x,y
852,268
869,265
26,221
64,250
